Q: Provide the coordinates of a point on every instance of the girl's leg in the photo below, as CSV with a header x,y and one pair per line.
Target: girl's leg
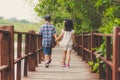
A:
x,y
68,56
64,57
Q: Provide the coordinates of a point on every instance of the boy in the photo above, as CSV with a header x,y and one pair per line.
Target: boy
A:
x,y
47,31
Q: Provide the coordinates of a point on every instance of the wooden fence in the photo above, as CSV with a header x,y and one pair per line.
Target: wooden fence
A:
x,y
85,45
31,54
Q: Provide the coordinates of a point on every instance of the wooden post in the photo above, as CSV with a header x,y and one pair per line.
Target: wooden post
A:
x,y
101,69
19,50
116,54
4,41
83,54
85,44
27,44
32,49
41,56
35,48
93,39
36,60
7,49
89,47
108,57
78,45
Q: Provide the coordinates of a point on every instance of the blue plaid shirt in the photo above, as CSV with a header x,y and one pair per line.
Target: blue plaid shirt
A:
x,y
47,31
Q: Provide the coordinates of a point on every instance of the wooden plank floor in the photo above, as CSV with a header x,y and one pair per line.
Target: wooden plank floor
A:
x,y
79,70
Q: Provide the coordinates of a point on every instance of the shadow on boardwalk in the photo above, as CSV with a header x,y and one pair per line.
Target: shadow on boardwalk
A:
x,y
79,70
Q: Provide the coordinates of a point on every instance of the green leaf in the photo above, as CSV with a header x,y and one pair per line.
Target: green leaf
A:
x,y
91,63
98,55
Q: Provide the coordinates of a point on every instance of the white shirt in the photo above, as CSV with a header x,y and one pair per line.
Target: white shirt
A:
x,y
67,38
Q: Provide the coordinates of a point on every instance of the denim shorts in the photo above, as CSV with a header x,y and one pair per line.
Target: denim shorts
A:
x,y
47,50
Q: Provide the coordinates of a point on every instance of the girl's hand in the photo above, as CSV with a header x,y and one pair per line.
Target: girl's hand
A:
x,y
56,39
57,43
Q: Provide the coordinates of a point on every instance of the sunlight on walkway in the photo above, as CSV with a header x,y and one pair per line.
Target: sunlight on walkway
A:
x,y
79,70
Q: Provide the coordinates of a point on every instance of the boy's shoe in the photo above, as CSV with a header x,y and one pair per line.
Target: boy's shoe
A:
x,y
46,65
49,61
68,66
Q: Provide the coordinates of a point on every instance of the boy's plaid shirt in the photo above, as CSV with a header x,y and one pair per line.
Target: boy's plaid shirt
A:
x,y
47,31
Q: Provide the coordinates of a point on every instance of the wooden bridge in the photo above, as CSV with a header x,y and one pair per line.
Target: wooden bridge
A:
x,y
79,70
21,57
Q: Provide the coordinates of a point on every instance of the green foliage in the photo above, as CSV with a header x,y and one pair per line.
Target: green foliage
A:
x,y
91,63
25,26
101,50
94,66
88,15
111,17
20,26
80,11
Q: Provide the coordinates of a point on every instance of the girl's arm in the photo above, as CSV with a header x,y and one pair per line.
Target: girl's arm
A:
x,y
59,37
73,37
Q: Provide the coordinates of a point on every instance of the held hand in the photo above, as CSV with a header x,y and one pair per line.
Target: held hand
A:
x,y
56,39
57,43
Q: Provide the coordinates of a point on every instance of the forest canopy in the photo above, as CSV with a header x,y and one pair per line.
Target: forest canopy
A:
x,y
88,15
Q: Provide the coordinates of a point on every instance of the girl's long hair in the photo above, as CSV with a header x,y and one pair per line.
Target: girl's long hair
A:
x,y
68,25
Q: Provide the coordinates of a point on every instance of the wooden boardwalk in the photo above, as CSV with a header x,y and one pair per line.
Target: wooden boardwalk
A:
x,y
79,70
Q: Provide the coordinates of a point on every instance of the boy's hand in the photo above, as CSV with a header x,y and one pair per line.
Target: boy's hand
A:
x,y
56,39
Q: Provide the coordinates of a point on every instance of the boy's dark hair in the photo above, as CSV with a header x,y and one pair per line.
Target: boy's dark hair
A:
x,y
68,25
47,17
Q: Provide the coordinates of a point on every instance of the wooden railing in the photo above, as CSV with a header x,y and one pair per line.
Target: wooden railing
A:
x,y
85,45
27,47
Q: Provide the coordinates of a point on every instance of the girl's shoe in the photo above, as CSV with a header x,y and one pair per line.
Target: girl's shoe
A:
x,y
68,66
49,61
63,64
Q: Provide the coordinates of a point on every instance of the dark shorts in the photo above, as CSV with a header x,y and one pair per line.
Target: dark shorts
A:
x,y
47,50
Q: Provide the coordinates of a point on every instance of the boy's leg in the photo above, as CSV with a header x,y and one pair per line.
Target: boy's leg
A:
x,y
46,53
50,59
42,56
46,57
46,60
50,52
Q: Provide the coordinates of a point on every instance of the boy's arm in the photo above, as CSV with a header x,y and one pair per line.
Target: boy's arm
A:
x,y
40,31
55,36
59,37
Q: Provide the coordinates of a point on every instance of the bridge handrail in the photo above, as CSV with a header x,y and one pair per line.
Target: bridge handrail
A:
x,y
86,43
32,52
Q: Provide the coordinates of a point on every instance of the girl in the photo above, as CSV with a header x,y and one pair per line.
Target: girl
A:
x,y
67,35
